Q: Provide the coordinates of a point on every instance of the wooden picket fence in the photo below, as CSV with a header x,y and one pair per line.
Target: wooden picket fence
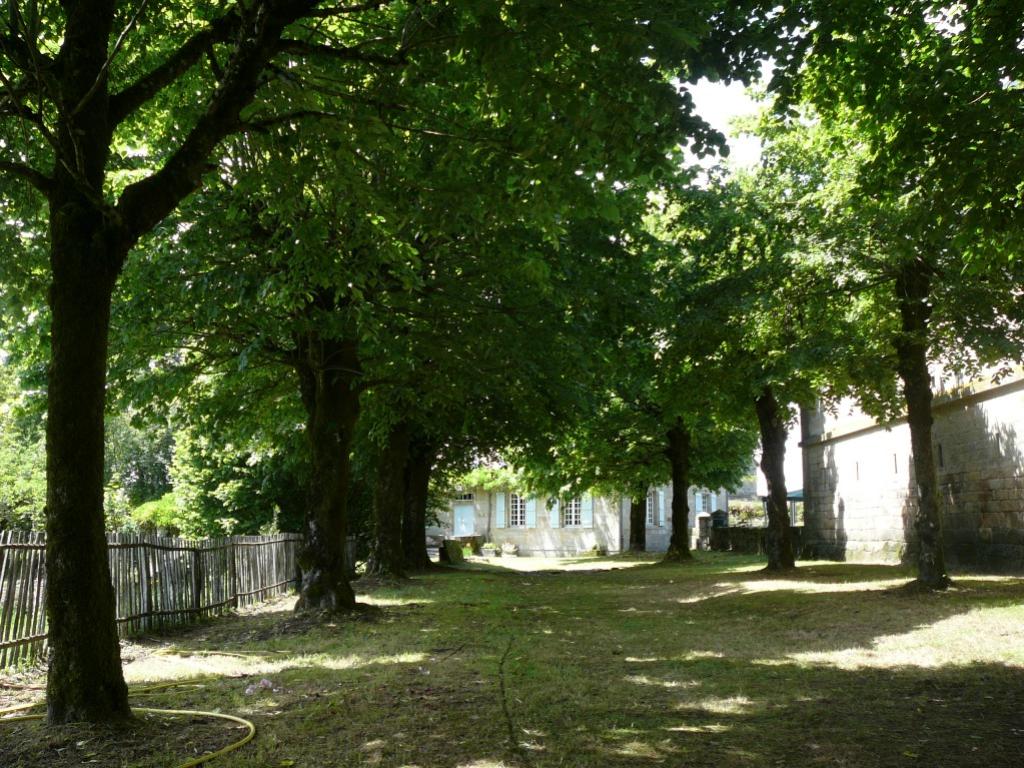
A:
x,y
158,582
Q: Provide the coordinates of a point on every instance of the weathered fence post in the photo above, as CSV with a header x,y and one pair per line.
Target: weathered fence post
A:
x,y
197,579
232,572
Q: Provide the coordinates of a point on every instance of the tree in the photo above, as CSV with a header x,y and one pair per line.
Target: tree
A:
x,y
916,299
662,412
934,90
782,326
118,113
82,83
22,458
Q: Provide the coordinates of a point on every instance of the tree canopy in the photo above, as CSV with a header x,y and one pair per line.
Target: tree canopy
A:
x,y
288,263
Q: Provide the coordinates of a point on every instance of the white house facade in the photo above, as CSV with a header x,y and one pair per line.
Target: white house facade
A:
x,y
562,527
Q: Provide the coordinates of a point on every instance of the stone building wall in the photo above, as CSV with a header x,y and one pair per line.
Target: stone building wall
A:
x,y
859,483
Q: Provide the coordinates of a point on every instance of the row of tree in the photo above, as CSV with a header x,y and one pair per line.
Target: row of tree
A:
x,y
389,237
297,190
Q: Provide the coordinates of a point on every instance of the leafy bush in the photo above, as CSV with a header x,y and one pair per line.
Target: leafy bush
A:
x,y
746,513
165,514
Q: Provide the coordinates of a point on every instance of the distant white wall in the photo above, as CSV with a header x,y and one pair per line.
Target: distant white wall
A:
x,y
794,466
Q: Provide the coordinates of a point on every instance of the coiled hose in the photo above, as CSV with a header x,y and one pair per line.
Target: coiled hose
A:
x,y
250,734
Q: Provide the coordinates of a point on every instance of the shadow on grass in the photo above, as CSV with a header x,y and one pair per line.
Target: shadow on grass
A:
x,y
740,714
713,665
446,712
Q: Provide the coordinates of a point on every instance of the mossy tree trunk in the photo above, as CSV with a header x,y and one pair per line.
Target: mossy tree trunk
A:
x,y
771,418
90,238
913,286
678,453
87,251
387,557
328,371
85,681
417,491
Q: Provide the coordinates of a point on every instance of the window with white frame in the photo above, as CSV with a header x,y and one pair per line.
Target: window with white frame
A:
x,y
516,511
572,513
463,497
652,507
702,501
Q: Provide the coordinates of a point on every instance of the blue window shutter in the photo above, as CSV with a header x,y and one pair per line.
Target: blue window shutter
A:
x,y
531,512
555,514
499,506
587,511
698,502
661,507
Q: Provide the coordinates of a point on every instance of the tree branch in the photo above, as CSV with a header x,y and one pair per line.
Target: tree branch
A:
x,y
125,102
39,180
116,49
263,123
342,53
145,203
340,10
21,53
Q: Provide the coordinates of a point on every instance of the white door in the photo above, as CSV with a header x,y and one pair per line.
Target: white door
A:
x,y
465,518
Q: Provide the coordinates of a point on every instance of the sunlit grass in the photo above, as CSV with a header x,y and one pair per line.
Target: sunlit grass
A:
x,y
618,662
728,706
954,641
381,600
544,564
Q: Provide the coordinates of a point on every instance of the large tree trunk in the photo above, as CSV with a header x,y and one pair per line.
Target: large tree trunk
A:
x,y
85,680
414,523
638,523
87,250
387,557
771,417
912,290
89,240
328,370
678,453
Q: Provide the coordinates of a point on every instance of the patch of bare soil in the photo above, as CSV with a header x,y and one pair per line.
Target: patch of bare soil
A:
x,y
145,740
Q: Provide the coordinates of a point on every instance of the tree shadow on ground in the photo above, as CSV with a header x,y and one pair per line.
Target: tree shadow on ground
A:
x,y
835,665
734,714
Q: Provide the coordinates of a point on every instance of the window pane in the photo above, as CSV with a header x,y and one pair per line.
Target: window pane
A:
x,y
572,513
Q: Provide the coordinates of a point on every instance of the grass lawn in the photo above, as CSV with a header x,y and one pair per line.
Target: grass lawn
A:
x,y
594,662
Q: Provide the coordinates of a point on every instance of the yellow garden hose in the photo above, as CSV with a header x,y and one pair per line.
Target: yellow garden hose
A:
x,y
223,750
148,689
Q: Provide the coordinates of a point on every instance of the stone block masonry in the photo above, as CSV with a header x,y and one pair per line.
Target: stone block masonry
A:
x,y
860,494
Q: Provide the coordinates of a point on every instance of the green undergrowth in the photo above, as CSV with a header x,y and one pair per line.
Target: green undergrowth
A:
x,y
618,662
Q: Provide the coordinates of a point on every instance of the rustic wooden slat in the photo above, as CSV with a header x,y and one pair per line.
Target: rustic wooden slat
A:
x,y
267,588
23,641
18,598
158,582
39,626
7,593
6,562
25,609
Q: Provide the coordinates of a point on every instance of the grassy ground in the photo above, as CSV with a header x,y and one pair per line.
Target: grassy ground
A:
x,y
610,662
